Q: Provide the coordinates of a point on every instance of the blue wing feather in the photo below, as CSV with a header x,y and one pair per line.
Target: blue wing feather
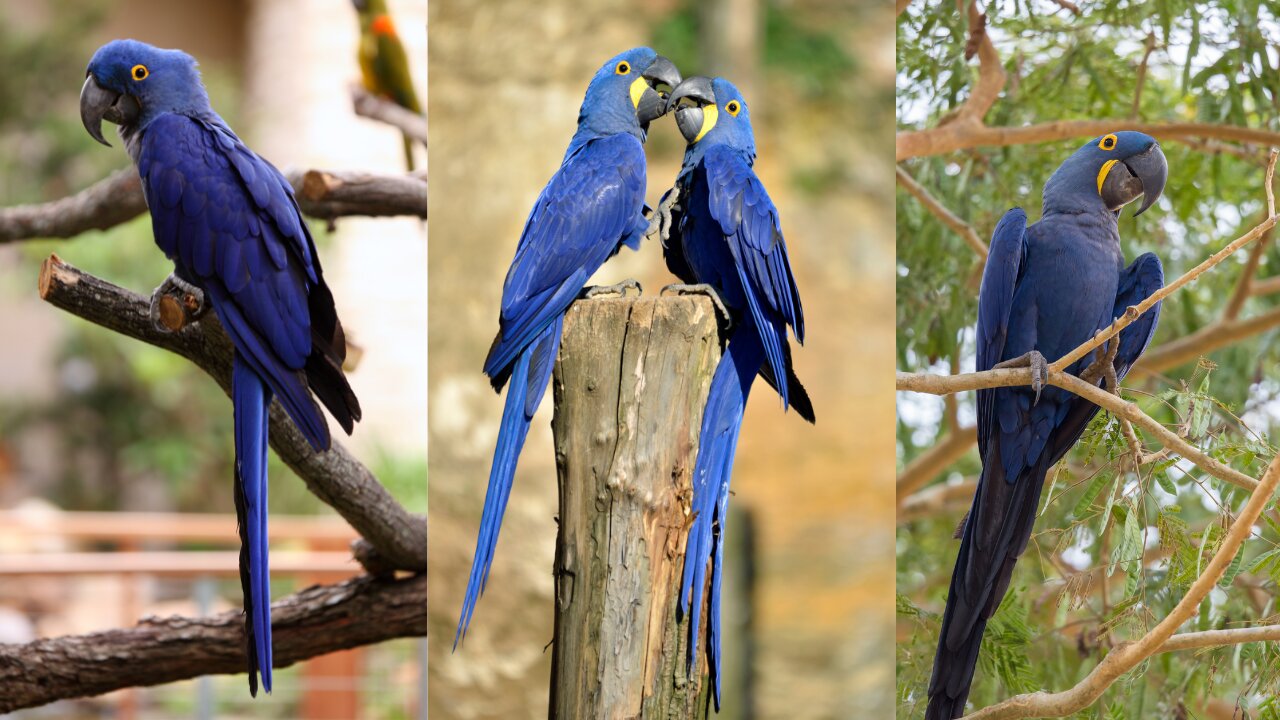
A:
x,y
749,222
580,219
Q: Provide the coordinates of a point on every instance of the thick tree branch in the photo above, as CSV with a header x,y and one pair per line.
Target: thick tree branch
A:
x,y
940,211
955,136
316,621
335,476
373,107
1126,656
118,198
1121,408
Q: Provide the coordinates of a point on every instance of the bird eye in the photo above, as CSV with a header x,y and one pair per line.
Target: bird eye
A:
x,y
139,72
733,108
623,68
1108,142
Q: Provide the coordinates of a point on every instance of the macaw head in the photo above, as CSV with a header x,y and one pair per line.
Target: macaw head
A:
x,y
130,83
713,112
1109,171
627,93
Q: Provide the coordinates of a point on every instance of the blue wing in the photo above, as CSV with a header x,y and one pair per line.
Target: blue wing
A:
x,y
749,222
588,209
995,300
229,222
1144,276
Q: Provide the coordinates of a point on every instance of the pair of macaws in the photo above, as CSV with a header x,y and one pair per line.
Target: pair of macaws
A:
x,y
726,236
1047,288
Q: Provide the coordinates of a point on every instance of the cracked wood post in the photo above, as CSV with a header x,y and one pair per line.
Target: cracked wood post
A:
x,y
630,385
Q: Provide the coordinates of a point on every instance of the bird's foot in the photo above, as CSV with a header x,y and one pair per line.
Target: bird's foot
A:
x,y
701,289
175,304
619,290
1104,367
1039,369
660,218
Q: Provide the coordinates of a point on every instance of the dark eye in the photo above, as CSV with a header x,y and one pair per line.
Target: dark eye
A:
x,y
1108,142
623,68
139,72
733,108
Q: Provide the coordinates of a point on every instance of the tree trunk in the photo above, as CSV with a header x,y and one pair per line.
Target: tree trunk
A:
x,y
630,385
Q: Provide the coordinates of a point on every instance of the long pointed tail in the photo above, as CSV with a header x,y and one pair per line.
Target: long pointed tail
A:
x,y
408,153
995,534
717,443
527,385
251,399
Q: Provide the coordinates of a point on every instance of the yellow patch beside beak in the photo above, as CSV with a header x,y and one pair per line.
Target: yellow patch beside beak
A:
x,y
1102,174
638,86
710,114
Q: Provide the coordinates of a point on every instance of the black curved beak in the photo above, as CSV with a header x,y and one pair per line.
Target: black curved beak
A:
x,y
698,92
98,104
1143,174
653,102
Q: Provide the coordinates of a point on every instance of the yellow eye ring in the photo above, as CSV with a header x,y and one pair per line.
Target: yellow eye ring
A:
x,y
1108,142
733,108
623,68
139,72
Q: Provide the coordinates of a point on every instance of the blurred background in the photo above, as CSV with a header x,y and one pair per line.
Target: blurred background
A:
x,y
818,76
93,425
1112,551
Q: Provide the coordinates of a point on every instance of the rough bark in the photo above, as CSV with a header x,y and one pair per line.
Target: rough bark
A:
x,y
629,386
316,621
334,476
117,199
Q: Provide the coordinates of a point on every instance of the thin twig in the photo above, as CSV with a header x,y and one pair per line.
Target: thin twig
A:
x,y
940,211
943,384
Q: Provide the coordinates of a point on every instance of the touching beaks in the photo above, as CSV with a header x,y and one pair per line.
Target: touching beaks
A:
x,y
1142,174
652,103
98,104
690,117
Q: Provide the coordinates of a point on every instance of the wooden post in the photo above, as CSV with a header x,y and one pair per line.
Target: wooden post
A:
x,y
630,384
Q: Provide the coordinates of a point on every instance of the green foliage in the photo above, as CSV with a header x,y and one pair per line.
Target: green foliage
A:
x,y
1098,518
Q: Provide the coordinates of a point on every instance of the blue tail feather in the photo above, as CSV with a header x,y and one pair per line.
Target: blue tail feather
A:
x,y
251,398
528,384
717,445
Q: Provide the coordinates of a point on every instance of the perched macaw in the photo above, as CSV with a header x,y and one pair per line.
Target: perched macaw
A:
x,y
1046,289
229,221
591,207
728,241
384,65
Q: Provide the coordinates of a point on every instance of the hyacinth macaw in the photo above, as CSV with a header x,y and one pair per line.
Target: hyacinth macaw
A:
x,y
1046,288
229,221
727,240
591,207
384,65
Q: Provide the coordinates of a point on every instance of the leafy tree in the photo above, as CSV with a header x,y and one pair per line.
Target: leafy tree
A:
x,y
1114,549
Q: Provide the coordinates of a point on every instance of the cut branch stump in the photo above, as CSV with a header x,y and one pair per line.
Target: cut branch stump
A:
x,y
630,385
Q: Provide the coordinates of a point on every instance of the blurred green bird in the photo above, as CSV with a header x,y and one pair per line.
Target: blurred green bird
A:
x,y
384,66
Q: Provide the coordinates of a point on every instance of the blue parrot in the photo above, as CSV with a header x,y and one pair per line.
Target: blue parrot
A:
x,y
1046,288
229,221
591,207
727,242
